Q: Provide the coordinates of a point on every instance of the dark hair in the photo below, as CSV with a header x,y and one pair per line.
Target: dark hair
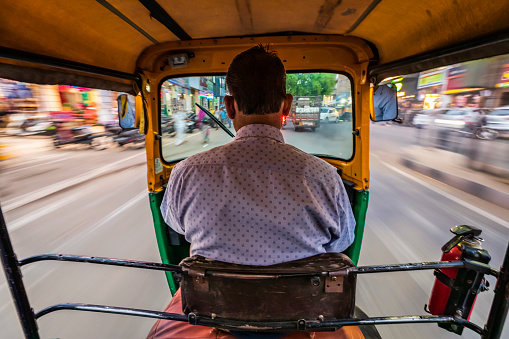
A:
x,y
257,80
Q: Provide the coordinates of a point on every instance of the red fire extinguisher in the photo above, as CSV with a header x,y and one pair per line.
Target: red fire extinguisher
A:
x,y
465,243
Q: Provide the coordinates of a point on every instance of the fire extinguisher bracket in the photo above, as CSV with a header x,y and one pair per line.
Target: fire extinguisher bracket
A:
x,y
468,283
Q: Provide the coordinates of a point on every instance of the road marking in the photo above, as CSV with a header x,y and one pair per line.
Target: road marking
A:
x,y
450,196
37,159
43,192
189,137
42,163
403,253
86,231
31,217
78,238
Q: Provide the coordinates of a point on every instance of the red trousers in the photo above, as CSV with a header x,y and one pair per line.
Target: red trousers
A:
x,y
166,329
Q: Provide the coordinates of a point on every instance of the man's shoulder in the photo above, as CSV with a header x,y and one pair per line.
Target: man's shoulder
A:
x,y
311,166
211,156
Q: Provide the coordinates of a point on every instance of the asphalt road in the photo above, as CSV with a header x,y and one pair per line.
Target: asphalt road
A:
x,y
95,203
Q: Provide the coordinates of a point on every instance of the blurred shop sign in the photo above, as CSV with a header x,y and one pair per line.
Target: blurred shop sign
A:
x,y
504,80
431,78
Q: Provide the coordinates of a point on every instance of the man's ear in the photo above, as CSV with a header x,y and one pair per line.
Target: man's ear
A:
x,y
229,104
287,104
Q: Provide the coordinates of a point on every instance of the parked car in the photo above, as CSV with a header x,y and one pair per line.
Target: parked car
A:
x,y
497,121
424,118
345,113
329,114
466,120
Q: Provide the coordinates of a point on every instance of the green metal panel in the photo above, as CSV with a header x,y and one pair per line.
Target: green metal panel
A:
x,y
170,254
173,254
360,207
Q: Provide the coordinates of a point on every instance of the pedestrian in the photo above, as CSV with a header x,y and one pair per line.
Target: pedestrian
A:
x,y
180,126
224,117
217,114
203,126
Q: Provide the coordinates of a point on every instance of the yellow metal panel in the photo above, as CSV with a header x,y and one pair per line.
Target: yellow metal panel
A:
x,y
299,53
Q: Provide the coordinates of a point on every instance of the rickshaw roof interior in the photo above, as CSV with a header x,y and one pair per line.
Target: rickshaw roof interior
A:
x,y
111,35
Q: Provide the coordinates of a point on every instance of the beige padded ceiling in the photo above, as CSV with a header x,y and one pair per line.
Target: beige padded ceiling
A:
x,y
244,17
86,31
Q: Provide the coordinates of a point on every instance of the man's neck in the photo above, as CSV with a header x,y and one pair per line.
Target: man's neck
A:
x,y
272,119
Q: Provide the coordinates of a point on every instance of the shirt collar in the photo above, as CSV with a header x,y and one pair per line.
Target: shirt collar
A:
x,y
260,130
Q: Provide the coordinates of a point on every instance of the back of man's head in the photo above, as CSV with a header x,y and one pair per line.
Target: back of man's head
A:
x,y
257,80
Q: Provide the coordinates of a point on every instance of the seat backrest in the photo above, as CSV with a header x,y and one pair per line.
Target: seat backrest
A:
x,y
303,289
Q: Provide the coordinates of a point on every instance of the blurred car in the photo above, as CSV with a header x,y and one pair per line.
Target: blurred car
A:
x,y
498,120
461,119
329,114
424,118
346,113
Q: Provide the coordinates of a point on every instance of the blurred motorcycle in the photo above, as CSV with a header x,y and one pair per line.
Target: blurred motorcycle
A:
x,y
485,133
93,136
130,137
191,123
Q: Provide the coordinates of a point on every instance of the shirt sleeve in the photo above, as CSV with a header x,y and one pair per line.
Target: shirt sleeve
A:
x,y
169,205
343,235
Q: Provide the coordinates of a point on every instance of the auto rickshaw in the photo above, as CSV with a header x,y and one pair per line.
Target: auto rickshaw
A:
x,y
135,46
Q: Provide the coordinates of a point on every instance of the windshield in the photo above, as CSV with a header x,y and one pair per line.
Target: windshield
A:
x,y
187,130
500,112
456,112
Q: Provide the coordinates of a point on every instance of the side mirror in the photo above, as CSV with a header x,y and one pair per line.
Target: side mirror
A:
x,y
385,103
125,112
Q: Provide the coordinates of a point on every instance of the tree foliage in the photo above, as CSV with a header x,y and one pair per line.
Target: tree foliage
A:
x,y
310,84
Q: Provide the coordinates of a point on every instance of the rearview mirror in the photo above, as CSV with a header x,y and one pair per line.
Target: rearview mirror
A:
x,y
385,102
125,112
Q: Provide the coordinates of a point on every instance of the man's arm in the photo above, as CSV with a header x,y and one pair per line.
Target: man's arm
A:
x,y
343,234
169,205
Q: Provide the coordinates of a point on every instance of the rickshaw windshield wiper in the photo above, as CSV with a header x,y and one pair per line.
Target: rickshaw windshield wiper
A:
x,y
216,120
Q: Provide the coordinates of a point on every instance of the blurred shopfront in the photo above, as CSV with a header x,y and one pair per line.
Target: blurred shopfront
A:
x,y
469,84
208,91
47,101
430,86
502,86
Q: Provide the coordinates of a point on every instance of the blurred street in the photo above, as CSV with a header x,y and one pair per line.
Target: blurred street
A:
x,y
78,200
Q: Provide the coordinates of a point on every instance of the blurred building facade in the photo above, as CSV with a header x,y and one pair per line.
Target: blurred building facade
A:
x,y
479,83
208,91
19,100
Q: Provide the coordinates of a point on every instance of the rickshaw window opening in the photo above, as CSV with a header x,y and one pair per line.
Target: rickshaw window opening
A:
x,y
323,135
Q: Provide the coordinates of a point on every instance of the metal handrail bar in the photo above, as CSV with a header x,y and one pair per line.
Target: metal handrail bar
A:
x,y
297,325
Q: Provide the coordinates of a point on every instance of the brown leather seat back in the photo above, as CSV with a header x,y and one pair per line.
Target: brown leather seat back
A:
x,y
258,293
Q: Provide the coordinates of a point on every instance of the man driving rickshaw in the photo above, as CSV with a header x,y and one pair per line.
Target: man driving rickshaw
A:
x,y
273,188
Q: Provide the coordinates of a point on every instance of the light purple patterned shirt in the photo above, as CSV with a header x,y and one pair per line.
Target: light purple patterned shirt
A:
x,y
258,201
